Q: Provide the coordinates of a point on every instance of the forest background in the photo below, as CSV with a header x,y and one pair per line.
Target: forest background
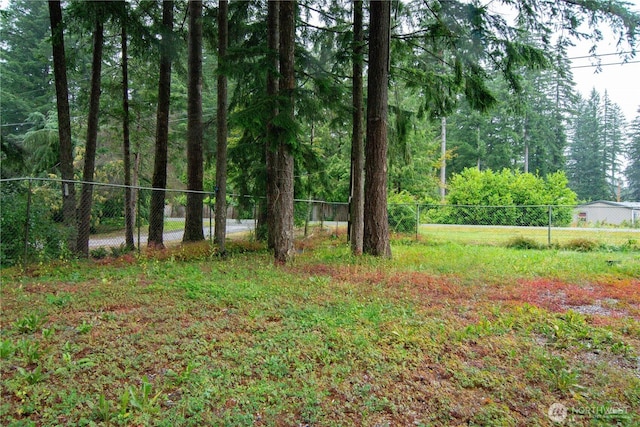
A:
x,y
467,88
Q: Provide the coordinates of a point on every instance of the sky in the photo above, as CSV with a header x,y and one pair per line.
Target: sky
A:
x,y
621,81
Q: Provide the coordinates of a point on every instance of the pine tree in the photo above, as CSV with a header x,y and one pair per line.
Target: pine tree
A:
x,y
159,181
193,231
221,157
586,165
632,171
64,122
376,224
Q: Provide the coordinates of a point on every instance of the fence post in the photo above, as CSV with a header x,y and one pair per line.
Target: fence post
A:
x,y
417,220
26,226
211,197
138,218
549,229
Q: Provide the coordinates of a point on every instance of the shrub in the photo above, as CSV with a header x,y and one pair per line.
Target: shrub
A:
x,y
508,198
523,243
402,212
581,245
46,239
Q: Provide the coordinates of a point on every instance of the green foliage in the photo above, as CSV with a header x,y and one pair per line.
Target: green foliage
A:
x,y
29,323
227,340
402,212
508,198
46,238
581,245
522,243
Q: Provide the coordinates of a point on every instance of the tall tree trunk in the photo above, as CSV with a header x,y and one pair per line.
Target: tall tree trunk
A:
x,y
64,123
273,44
357,142
376,222
221,159
284,166
84,220
193,222
126,142
156,210
443,157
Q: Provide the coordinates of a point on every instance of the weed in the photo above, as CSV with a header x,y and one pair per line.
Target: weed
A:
x,y
84,328
6,349
48,332
183,377
98,253
29,323
560,376
522,243
101,409
142,399
118,251
30,351
581,245
59,300
32,377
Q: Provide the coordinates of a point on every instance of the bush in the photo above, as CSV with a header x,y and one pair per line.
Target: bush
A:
x,y
402,213
508,198
581,245
46,239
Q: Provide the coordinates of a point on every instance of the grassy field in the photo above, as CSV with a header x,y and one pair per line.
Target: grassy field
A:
x,y
469,234
443,334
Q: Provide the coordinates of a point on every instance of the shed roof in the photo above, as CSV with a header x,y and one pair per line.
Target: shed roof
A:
x,y
628,205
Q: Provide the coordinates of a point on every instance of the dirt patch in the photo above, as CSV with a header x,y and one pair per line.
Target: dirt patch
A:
x,y
617,299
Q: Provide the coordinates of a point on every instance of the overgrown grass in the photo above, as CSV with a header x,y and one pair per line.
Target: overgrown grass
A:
x,y
443,334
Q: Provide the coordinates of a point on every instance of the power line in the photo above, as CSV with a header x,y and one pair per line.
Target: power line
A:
x,y
598,55
604,65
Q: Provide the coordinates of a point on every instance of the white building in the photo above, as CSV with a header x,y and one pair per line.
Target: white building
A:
x,y
612,213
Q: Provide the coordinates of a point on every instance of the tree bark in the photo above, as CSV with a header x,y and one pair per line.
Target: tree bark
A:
x,y
284,165
193,231
376,223
64,123
357,142
84,220
443,157
273,44
221,158
126,141
159,182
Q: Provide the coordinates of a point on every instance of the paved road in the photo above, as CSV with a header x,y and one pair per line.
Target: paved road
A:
x,y
233,226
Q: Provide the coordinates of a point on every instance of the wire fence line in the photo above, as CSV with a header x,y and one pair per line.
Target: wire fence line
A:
x,y
31,219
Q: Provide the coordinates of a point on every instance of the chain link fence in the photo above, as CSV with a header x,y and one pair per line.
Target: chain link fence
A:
x,y
588,226
32,227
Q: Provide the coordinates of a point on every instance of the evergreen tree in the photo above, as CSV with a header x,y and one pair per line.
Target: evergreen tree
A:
x,y
376,224
632,171
221,157
64,122
586,167
193,231
613,134
357,134
284,161
24,52
86,196
159,180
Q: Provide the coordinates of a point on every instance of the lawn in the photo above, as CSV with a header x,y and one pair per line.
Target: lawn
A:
x,y
443,334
